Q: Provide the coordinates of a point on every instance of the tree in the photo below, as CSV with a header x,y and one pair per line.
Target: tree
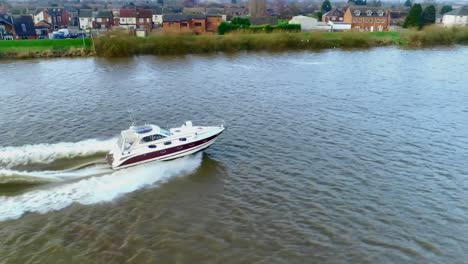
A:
x,y
408,3
376,3
429,15
318,15
326,6
414,18
357,2
241,21
446,9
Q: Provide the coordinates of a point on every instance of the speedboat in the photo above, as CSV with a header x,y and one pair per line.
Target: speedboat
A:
x,y
140,144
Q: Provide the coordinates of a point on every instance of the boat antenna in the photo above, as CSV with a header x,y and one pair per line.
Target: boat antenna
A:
x,y
132,117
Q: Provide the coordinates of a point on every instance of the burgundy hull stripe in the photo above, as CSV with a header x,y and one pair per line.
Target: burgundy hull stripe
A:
x,y
167,151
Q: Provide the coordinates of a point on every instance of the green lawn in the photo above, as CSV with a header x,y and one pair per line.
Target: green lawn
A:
x,y
43,44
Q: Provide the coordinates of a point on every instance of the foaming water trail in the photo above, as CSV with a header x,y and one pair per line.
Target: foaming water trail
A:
x,y
47,153
12,176
96,189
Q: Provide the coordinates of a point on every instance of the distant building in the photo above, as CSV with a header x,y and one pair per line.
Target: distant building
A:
x,y
194,23
157,16
128,18
397,18
24,27
102,19
457,17
334,15
364,18
85,18
257,8
310,24
144,19
6,27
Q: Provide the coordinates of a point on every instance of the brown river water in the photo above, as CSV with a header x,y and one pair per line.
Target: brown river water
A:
x,y
330,157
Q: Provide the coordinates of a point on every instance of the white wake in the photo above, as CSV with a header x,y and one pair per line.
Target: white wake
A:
x,y
47,153
12,176
96,189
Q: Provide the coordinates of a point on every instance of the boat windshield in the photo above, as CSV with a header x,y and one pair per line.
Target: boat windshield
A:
x,y
120,142
165,131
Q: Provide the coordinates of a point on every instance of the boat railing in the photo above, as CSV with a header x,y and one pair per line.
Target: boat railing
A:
x,y
217,122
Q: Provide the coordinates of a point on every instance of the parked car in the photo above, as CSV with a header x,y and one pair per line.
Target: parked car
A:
x,y
78,35
58,35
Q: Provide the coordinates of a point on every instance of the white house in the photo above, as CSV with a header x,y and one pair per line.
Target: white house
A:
x,y
42,15
310,24
457,17
85,18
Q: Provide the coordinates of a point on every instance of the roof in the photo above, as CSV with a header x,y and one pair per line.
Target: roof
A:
x,y
365,11
24,25
215,11
85,13
147,13
6,19
157,11
462,11
398,14
334,12
71,9
127,13
55,10
102,13
181,17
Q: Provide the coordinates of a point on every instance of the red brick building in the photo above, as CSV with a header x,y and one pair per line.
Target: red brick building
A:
x,y
144,19
367,18
334,15
196,24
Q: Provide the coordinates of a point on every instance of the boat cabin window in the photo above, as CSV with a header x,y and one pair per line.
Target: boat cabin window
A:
x,y
182,139
167,143
152,138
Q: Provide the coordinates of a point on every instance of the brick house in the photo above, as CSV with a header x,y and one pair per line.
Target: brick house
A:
x,y
195,23
86,18
144,19
128,18
334,15
102,19
6,27
176,23
397,17
367,18
23,27
212,23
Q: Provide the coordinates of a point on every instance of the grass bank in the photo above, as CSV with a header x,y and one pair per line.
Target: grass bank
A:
x,y
118,45
123,45
44,48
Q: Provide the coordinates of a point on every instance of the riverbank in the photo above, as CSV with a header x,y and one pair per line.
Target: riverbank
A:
x,y
46,48
118,44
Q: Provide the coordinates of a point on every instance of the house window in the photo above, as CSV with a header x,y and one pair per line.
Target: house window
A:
x,y
142,20
99,19
380,12
371,20
369,13
123,20
357,12
23,27
198,24
184,24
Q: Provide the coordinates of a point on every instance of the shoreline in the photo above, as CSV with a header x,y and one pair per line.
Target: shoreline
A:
x,y
118,44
